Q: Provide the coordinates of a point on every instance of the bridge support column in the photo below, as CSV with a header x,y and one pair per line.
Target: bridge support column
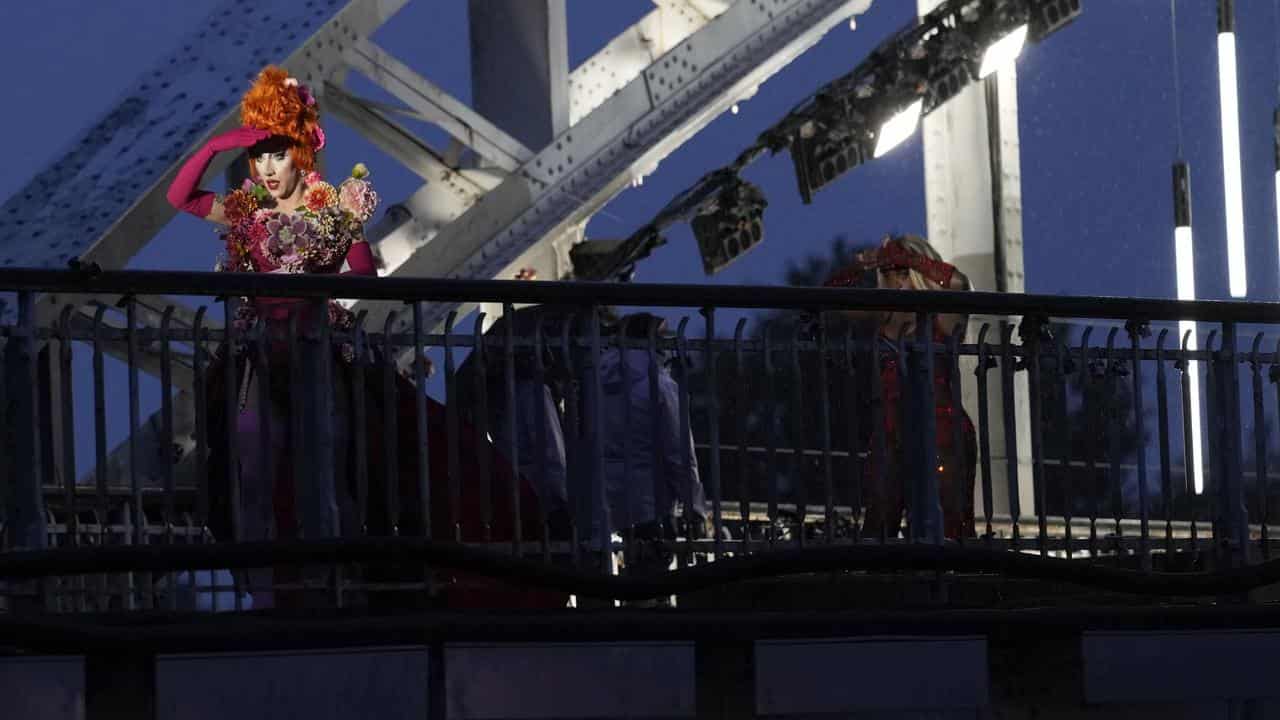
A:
x,y
973,195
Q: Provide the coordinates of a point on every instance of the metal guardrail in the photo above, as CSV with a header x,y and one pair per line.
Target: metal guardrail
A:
x,y
805,410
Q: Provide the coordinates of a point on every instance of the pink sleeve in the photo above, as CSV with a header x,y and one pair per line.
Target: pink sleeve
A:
x,y
360,260
185,193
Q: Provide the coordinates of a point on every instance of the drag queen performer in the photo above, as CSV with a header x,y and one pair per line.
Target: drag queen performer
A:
x,y
287,219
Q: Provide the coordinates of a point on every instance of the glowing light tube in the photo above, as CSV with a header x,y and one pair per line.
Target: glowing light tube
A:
x,y
1184,254
898,128
1227,92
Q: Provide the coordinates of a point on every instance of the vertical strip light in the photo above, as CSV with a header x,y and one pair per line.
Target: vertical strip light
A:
x,y
1275,122
1231,183
1184,257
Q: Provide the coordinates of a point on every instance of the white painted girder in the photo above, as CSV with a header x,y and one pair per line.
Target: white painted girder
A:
x,y
435,105
565,183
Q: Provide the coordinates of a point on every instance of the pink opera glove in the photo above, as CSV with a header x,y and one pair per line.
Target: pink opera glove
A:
x,y
360,260
185,193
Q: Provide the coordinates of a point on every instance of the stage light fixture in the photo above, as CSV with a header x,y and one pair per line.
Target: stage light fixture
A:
x,y
733,226
1003,52
898,128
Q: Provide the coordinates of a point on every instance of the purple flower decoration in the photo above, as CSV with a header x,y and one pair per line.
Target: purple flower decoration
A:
x,y
288,235
304,92
319,140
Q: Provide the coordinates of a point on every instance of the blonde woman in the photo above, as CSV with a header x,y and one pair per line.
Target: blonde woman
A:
x,y
909,262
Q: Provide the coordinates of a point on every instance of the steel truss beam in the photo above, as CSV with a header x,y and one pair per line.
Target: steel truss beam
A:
x,y
624,137
435,105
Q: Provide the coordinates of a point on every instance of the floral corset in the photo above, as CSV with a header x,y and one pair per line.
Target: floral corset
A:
x,y
315,238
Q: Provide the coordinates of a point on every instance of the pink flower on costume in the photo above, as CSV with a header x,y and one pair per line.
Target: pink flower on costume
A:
x,y
358,198
319,141
312,178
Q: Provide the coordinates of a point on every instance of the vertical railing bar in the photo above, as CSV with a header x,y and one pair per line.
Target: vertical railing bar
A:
x,y
137,531
599,489
261,342
959,449
985,362
541,431
771,443
928,498
297,420
799,475
573,435
1213,453
852,412
1065,438
1007,369
166,426
1260,441
166,437
740,434
68,434
100,445
661,492
330,517
713,429
390,429
100,421
682,363
631,489
513,445
824,428
1234,513
230,412
359,411
452,425
1091,438
68,424
198,390
879,450
1166,471
420,416
135,528
1032,343
1115,478
480,355
1189,458
1137,330
1274,376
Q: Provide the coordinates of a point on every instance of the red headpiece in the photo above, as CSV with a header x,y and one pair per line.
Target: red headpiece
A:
x,y
892,256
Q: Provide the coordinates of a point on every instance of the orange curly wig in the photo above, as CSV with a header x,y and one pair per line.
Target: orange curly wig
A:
x,y
279,109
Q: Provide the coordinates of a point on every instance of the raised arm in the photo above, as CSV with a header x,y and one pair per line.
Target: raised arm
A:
x,y
185,193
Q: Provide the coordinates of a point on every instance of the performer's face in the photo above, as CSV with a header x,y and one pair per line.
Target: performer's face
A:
x,y
276,171
895,278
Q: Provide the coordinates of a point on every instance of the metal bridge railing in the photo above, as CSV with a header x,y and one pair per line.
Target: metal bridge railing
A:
x,y
303,456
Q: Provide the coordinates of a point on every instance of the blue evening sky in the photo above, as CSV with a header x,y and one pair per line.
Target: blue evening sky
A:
x,y
1097,129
